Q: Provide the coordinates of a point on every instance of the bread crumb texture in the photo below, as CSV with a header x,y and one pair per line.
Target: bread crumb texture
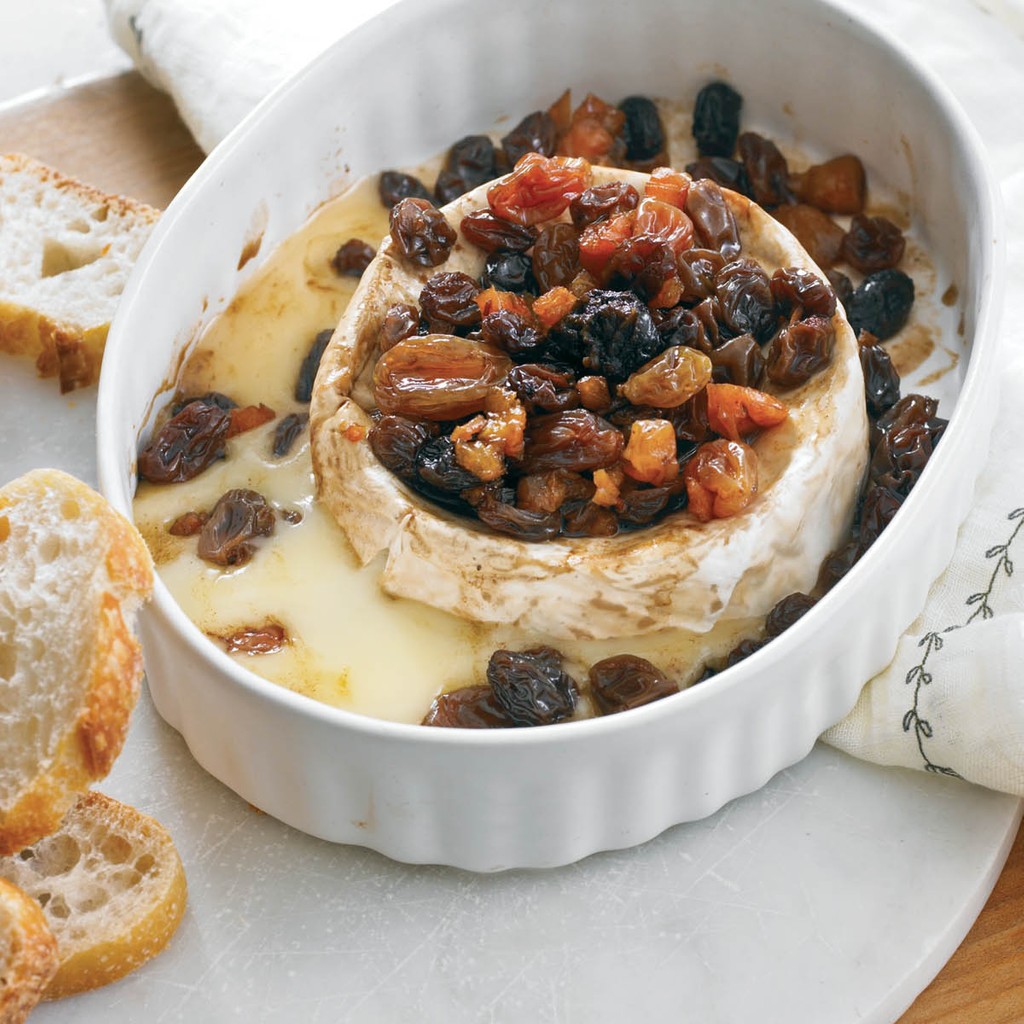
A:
x,y
28,953
66,250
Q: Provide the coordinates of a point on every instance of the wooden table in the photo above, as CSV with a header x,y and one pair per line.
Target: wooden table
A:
x,y
123,136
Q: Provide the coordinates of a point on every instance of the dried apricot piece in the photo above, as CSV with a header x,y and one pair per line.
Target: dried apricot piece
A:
x,y
650,453
539,188
721,479
734,410
668,185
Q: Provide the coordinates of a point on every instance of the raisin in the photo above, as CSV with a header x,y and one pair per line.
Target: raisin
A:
x,y
512,333
766,168
268,638
668,380
543,388
721,479
595,133
738,361
353,258
735,411
709,313
310,365
469,707
881,304
643,264
602,201
799,351
488,232
610,333
880,505
186,444
286,433
510,271
838,564
900,456
681,326
585,519
713,222
881,381
539,188
521,523
556,256
723,170
814,230
239,516
394,186
448,302
716,119
594,393
395,440
216,398
836,186
794,287
697,270
469,163
743,650
401,321
626,681
536,133
577,440
437,467
744,292
643,131
641,506
421,232
548,492
664,222
841,285
787,611
872,243
531,687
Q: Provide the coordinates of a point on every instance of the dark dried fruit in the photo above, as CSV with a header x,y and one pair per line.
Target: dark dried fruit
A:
x,y
268,638
394,186
436,466
837,186
643,131
543,388
815,231
353,258
626,681
512,333
881,381
872,243
186,444
724,170
880,505
881,304
738,361
602,201
577,440
713,222
556,256
401,321
521,523
716,119
469,163
188,524
697,270
531,687
216,398
421,232
395,441
766,169
510,272
794,287
744,293
448,302
789,610
838,564
536,133
681,326
743,650
641,506
800,350
585,519
488,232
469,707
310,365
239,516
286,433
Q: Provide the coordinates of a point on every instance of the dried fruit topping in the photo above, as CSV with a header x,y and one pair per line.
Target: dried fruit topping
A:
x,y
716,119
738,361
786,612
216,398
395,440
713,222
650,453
796,288
723,170
186,444
401,321
353,258
576,440
268,638
531,687
553,305
539,188
492,300
881,381
668,186
872,243
697,271
469,163
668,380
249,418
815,231
310,365
601,202
766,169
626,681
735,411
448,302
744,292
595,132
421,233
510,271
287,432
556,256
800,350
469,707
643,131
536,133
664,222
881,503
610,333
437,377
647,266
594,393
394,186
438,469
721,479
881,303
548,492
511,332
239,516
521,523
837,186
543,388
489,233
600,240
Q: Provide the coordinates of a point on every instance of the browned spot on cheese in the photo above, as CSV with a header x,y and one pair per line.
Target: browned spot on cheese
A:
x,y
911,348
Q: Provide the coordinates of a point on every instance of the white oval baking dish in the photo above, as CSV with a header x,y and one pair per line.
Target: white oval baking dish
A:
x,y
397,90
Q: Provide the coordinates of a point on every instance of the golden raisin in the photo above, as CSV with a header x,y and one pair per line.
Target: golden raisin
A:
x,y
721,479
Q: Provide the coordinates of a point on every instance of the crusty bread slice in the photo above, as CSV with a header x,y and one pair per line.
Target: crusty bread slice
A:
x,y
73,572
28,953
112,888
66,250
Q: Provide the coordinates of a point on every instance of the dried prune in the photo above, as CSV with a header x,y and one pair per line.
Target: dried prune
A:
x,y
766,169
800,350
438,468
448,302
239,516
610,333
310,365
468,163
421,233
186,444
668,380
536,133
724,170
556,256
488,232
626,681
395,440
881,381
394,186
521,523
738,361
794,287
353,257
577,440
713,222
872,243
469,707
787,611
881,303
721,479
744,292
510,271
837,186
543,388
602,201
531,687
643,131
401,321
286,433
716,119
814,230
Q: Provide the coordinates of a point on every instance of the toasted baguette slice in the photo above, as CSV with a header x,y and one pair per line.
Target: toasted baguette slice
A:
x,y
66,250
111,886
28,953
73,572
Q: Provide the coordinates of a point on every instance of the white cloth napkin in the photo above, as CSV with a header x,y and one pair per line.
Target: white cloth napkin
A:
x,y
952,699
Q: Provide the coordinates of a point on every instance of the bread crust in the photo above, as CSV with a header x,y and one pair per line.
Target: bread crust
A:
x,y
108,684
32,957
